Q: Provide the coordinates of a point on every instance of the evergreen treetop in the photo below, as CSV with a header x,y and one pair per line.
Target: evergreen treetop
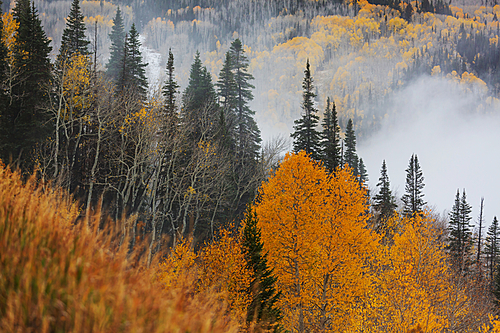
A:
x,y
413,201
117,37
492,247
460,238
306,137
384,201
169,91
73,38
350,155
331,137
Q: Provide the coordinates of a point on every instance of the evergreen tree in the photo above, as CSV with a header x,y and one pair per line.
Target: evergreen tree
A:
x,y
306,137
384,201
460,239
262,308
492,248
363,174
413,201
331,138
200,91
226,86
169,91
73,38
117,37
247,132
350,156
133,73
23,124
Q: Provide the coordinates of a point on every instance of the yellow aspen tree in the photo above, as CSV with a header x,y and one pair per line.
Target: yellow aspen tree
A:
x,y
414,283
314,230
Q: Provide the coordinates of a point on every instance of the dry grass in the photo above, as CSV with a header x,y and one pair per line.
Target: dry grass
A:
x,y
57,275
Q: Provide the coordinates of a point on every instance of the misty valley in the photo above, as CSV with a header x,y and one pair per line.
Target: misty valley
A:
x,y
249,166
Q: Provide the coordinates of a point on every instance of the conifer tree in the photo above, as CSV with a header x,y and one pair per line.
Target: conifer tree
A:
x,y
384,201
247,132
169,91
132,73
460,239
363,173
350,155
413,201
492,248
262,308
226,87
73,38
306,137
23,124
117,37
331,137
200,91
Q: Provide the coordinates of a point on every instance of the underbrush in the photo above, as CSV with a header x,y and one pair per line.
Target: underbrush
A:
x,y
61,273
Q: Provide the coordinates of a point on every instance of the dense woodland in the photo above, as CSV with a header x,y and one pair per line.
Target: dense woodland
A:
x,y
128,205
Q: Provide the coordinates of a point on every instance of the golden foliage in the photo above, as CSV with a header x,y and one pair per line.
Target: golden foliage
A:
x,y
58,274
314,229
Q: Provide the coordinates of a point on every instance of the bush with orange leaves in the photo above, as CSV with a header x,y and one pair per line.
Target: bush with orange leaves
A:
x,y
61,274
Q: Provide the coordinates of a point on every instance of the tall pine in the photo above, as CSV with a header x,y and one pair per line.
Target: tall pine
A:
x,y
492,248
413,201
132,76
331,137
384,201
169,92
24,125
117,38
306,137
73,38
262,309
247,132
350,155
460,238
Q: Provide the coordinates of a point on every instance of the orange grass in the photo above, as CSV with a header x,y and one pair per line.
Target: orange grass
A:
x,y
57,275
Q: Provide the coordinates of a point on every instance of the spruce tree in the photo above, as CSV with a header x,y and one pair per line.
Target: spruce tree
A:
x,y
226,86
306,137
413,201
384,201
363,173
247,132
331,137
262,309
350,155
117,37
492,248
132,76
73,38
199,99
23,124
460,239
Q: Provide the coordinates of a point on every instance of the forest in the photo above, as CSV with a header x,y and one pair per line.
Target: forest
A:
x,y
193,166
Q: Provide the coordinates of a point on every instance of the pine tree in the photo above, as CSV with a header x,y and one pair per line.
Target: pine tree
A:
x,y
169,91
384,201
350,156
200,90
460,239
133,74
73,38
23,124
331,138
262,308
492,248
413,201
247,132
226,86
306,137
117,37
363,173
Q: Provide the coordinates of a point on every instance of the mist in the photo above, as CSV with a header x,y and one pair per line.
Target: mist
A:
x,y
455,137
